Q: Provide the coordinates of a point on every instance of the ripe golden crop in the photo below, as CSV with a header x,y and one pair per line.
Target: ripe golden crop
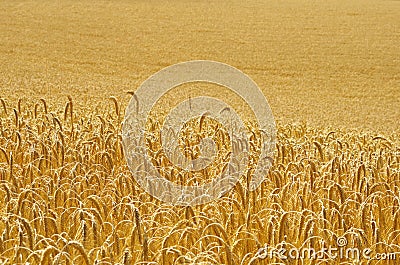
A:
x,y
67,196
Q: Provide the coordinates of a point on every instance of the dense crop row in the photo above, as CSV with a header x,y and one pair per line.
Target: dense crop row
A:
x,y
67,196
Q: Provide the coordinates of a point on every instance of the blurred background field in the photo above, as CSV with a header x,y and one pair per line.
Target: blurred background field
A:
x,y
328,63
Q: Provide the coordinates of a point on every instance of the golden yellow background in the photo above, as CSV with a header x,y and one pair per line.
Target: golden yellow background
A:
x,y
329,63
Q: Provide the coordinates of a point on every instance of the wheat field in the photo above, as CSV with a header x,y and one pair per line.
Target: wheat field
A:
x,y
330,71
